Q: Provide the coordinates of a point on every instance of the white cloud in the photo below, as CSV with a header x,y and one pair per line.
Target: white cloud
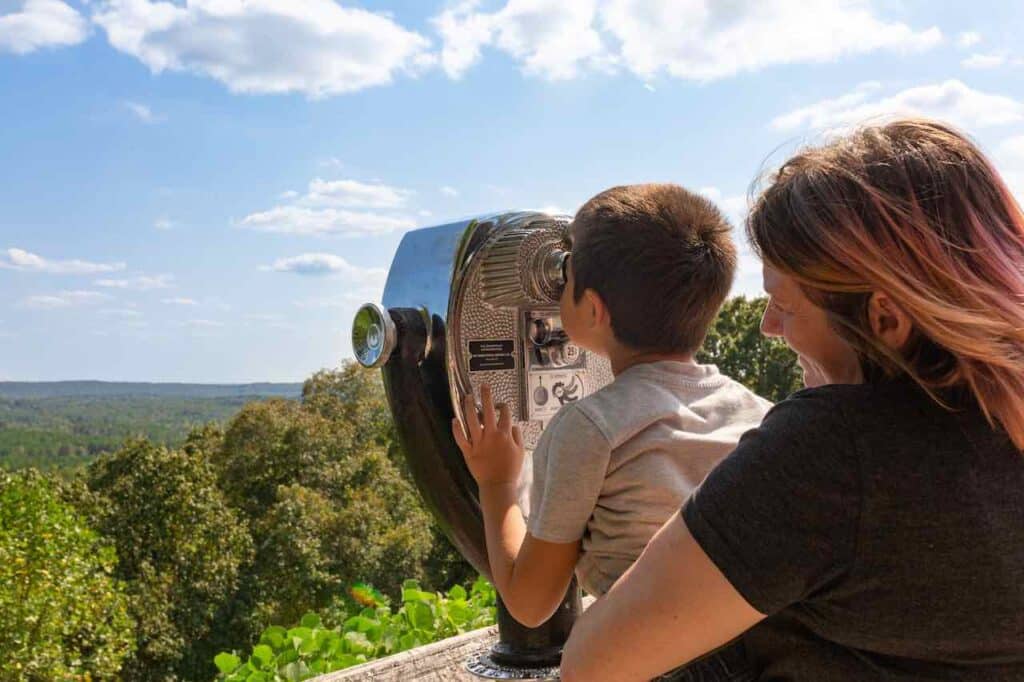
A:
x,y
39,24
140,283
300,220
449,191
551,38
968,39
706,40
1013,147
316,47
127,313
19,259
1009,158
204,324
164,223
64,299
354,194
320,264
143,112
734,205
178,301
984,61
288,194
323,210
695,40
950,101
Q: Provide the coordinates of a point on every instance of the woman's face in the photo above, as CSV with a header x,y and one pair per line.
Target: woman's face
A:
x,y
823,355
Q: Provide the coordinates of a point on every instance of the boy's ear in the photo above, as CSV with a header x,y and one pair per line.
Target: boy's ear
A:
x,y
597,311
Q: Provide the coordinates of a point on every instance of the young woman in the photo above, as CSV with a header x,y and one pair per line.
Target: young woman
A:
x,y
873,526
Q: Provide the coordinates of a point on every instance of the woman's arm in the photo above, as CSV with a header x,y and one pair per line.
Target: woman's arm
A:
x,y
670,607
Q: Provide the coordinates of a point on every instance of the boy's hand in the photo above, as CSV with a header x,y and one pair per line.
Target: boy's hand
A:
x,y
493,446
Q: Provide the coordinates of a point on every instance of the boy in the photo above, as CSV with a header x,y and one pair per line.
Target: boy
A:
x,y
649,268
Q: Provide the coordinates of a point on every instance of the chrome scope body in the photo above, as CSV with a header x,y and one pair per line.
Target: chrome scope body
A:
x,y
469,303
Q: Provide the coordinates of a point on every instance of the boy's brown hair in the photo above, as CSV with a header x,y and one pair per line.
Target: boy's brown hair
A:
x,y
660,257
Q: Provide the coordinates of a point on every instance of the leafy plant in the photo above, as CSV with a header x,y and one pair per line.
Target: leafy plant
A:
x,y
313,648
63,614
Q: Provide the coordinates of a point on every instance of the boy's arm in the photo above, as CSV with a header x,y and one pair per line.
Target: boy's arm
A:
x,y
531,575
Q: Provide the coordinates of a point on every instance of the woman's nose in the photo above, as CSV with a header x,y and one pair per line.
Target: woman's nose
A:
x,y
770,323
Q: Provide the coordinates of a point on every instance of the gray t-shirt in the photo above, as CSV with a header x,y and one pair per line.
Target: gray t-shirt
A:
x,y
611,468
883,535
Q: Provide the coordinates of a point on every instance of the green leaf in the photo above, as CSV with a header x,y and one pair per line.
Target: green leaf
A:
x,y
420,615
457,592
226,662
274,636
294,672
310,620
263,655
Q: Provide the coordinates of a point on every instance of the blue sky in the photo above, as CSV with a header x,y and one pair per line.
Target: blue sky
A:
x,y
207,190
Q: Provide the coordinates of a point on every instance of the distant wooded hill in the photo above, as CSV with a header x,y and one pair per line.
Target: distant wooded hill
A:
x,y
64,424
77,389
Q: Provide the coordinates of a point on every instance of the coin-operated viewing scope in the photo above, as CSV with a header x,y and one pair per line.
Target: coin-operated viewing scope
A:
x,y
465,304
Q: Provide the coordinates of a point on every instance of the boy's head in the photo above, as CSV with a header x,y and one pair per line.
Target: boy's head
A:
x,y
659,259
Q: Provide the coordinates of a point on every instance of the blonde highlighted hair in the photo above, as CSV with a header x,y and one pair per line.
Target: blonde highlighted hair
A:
x,y
914,209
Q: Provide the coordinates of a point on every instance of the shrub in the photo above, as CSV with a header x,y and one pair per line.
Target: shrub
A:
x,y
313,648
62,613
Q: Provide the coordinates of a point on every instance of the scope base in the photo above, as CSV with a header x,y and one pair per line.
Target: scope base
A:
x,y
483,664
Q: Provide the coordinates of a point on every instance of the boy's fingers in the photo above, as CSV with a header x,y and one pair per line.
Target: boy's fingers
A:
x,y
517,435
472,420
460,436
504,417
487,406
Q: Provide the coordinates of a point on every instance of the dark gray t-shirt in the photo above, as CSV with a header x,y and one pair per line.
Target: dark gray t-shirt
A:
x,y
883,535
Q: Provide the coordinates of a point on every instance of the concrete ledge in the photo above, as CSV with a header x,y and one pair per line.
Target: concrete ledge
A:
x,y
442,661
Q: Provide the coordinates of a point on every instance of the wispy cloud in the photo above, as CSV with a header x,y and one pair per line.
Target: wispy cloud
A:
x,y
140,283
354,194
449,191
690,40
951,101
334,49
968,39
25,261
143,112
299,220
179,301
733,205
164,223
127,313
325,209
39,24
990,61
323,264
64,299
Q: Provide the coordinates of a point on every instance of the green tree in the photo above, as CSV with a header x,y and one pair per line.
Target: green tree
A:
x,y
180,547
735,343
324,503
63,615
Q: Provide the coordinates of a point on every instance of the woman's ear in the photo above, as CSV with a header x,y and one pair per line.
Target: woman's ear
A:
x,y
889,322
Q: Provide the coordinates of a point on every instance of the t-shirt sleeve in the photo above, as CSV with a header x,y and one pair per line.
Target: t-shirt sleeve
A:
x,y
569,467
779,516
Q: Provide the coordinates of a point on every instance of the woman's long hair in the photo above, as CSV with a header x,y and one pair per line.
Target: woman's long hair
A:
x,y
913,209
